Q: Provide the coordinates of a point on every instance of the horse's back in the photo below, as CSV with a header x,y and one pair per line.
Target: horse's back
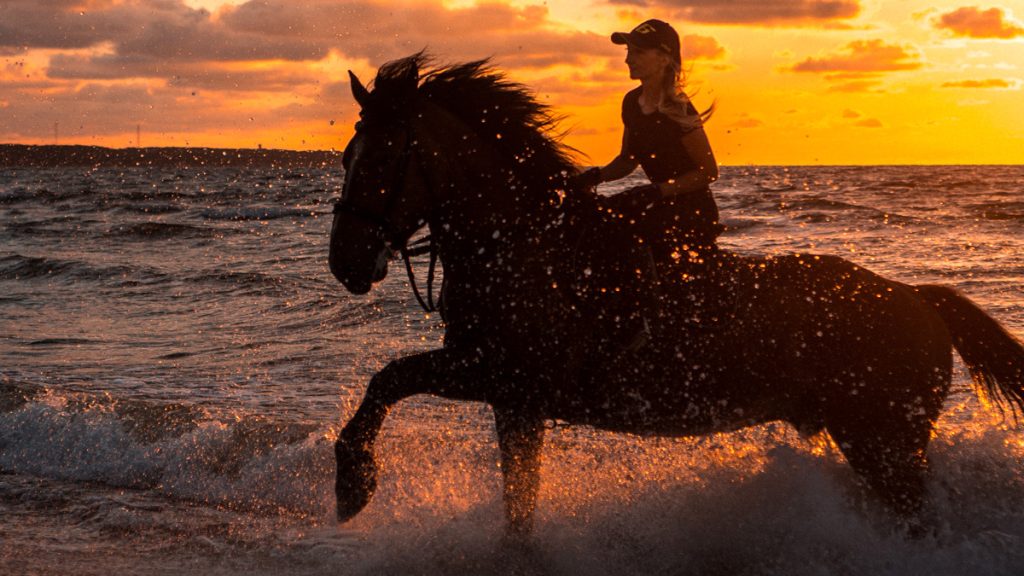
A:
x,y
845,335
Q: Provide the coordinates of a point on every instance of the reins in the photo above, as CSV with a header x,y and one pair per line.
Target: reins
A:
x,y
422,246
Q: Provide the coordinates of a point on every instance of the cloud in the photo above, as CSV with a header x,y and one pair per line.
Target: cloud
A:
x,y
850,114
161,30
697,47
856,86
515,36
973,22
869,123
99,64
994,83
59,24
747,122
151,38
275,77
862,57
581,89
756,12
98,110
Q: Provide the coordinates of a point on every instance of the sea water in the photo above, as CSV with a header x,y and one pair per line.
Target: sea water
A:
x,y
176,360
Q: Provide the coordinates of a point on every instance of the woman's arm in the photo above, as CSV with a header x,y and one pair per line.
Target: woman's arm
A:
x,y
622,165
696,144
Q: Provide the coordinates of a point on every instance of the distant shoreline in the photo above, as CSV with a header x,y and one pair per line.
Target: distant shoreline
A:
x,y
57,156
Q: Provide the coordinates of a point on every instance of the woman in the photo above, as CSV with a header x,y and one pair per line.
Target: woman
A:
x,y
676,214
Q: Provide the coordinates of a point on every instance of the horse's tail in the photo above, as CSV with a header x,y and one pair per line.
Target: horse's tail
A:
x,y
994,357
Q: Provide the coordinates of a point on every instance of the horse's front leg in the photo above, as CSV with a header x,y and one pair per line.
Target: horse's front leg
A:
x,y
520,437
447,372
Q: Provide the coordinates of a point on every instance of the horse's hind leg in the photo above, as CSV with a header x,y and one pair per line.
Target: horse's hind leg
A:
x,y
894,466
446,372
884,430
882,410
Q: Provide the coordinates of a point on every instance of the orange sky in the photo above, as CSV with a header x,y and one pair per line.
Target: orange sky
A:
x,y
794,81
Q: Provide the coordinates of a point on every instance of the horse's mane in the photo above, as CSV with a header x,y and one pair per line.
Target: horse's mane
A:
x,y
523,130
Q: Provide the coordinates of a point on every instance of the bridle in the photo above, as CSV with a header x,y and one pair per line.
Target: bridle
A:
x,y
398,240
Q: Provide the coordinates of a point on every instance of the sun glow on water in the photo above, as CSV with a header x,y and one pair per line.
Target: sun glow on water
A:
x,y
179,362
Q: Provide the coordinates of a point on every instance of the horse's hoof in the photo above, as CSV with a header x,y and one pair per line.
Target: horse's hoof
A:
x,y
356,479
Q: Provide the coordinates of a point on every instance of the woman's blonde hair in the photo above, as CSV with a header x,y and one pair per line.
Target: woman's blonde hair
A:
x,y
675,101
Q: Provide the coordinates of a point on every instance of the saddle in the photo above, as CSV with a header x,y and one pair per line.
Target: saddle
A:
x,y
635,288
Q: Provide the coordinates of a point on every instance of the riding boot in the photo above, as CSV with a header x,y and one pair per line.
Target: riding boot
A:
x,y
649,300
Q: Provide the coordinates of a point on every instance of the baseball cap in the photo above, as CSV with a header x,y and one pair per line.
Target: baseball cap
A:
x,y
652,34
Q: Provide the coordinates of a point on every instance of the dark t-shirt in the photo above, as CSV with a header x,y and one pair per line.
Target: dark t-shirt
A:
x,y
655,141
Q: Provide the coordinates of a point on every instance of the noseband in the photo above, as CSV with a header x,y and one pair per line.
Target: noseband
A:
x,y
398,240
381,222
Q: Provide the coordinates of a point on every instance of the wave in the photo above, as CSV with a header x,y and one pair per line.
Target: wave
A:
x,y
1005,210
247,282
819,209
175,355
733,225
255,213
160,230
180,451
1001,215
822,203
147,207
56,227
886,185
760,501
61,342
16,195
42,195
770,186
18,267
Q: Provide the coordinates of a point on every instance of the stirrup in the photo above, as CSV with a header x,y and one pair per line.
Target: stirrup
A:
x,y
640,339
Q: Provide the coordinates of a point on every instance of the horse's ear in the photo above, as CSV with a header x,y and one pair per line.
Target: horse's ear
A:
x,y
359,92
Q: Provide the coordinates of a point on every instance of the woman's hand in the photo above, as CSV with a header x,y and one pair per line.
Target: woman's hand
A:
x,y
581,189
588,179
632,202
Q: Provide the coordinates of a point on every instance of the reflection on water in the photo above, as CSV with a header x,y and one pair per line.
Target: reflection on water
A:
x,y
176,360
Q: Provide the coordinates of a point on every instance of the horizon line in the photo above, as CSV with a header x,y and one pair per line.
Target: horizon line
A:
x,y
336,151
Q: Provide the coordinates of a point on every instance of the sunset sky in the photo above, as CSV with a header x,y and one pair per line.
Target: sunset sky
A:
x,y
794,81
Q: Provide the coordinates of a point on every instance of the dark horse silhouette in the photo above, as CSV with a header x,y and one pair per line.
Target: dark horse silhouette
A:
x,y
543,304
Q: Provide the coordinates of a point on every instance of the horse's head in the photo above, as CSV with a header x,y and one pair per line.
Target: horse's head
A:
x,y
384,200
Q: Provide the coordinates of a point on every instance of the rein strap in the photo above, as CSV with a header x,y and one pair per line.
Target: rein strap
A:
x,y
422,246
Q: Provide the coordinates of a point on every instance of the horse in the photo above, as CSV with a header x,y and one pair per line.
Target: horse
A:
x,y
546,308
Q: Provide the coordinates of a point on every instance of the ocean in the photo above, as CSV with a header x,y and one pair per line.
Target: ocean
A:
x,y
176,360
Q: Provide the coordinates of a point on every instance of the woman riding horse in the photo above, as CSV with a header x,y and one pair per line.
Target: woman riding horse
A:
x,y
664,134
815,341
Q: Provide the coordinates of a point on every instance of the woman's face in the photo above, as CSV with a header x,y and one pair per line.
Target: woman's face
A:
x,y
645,63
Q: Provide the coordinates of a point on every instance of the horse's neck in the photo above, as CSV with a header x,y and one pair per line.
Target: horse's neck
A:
x,y
493,240
483,211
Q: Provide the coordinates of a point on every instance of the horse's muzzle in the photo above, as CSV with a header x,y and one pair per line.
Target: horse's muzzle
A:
x,y
360,279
